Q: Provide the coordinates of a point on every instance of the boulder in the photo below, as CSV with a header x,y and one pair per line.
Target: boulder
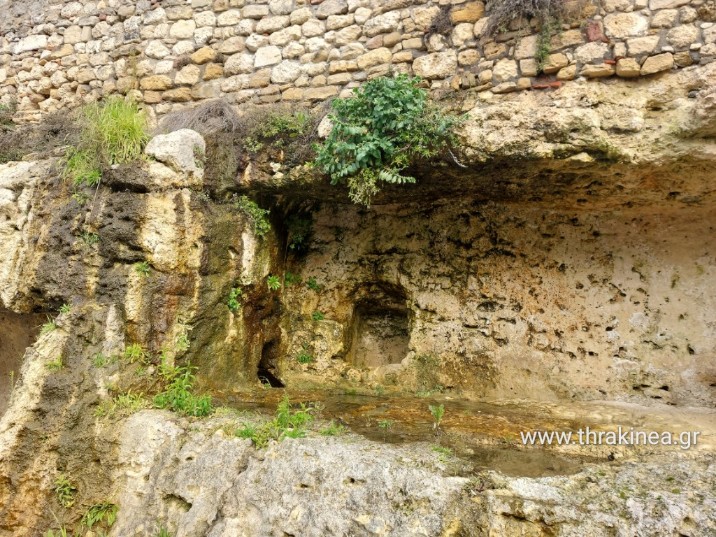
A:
x,y
182,151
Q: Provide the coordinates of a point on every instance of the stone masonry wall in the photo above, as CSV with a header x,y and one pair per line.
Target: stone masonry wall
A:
x,y
57,54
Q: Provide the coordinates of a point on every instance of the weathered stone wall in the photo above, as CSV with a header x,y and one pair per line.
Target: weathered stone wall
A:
x,y
172,52
503,300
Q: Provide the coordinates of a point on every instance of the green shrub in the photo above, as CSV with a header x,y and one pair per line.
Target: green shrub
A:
x,y
385,126
112,132
257,215
287,129
288,423
278,128
178,396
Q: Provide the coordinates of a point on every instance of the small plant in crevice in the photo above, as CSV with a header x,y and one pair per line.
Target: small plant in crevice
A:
x,y
100,360
122,405
181,340
313,285
317,316
234,301
59,532
65,308
65,490
101,514
89,239
440,25
437,412
444,453
135,353
49,326
7,110
199,157
289,278
288,423
304,357
178,396
56,364
163,532
333,429
80,197
142,268
385,126
549,28
385,426
273,282
299,231
257,215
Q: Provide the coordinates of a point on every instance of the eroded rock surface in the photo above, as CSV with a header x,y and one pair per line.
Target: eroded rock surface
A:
x,y
566,253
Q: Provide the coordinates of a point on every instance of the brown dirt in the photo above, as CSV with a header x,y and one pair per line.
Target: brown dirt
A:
x,y
17,332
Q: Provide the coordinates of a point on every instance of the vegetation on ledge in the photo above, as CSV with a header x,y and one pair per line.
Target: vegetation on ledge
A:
x,y
386,125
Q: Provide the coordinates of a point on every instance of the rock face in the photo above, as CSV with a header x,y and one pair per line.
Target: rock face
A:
x,y
209,484
565,252
220,486
182,151
511,297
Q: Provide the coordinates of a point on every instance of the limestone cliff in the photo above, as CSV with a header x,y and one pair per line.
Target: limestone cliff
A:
x,y
566,254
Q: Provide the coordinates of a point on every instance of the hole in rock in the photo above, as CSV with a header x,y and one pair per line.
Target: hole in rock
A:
x,y
268,366
380,333
17,332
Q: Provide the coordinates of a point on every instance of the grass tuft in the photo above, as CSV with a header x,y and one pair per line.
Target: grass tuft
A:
x,y
113,131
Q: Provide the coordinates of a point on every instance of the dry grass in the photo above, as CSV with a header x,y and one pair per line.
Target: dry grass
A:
x,y
208,118
233,139
504,12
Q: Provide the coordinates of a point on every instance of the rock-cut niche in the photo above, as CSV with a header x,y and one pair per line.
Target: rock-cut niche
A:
x,y
268,370
17,332
380,327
